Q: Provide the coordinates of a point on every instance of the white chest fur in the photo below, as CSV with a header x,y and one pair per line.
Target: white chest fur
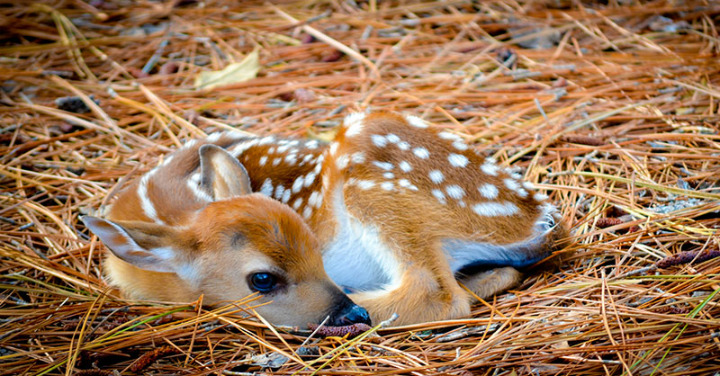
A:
x,y
358,259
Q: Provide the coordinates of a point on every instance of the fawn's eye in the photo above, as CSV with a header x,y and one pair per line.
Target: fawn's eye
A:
x,y
263,282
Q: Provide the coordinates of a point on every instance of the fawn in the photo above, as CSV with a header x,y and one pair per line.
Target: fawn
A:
x,y
392,213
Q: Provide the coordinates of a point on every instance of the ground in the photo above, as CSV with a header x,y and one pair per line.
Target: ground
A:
x,y
611,108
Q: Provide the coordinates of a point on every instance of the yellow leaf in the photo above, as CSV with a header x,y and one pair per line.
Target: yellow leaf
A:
x,y
245,70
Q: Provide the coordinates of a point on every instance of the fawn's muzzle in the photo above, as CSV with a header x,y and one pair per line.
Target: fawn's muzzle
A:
x,y
348,313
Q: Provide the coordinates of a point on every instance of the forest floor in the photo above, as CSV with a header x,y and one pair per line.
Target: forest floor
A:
x,y
611,108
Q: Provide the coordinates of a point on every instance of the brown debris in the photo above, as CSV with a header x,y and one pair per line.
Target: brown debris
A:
x,y
350,331
150,357
686,257
614,119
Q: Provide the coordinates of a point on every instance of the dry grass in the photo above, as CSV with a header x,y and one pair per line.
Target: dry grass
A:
x,y
611,108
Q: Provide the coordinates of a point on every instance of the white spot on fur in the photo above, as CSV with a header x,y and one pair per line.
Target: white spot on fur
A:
x,y
405,166
496,209
365,184
488,191
298,184
389,175
421,152
266,140
342,161
402,145
540,197
263,160
267,187
406,184
286,196
353,123
307,212
240,148
387,185
392,138
297,203
358,157
312,144
436,176
458,160
333,148
276,161
315,199
384,165
449,136
378,140
309,179
490,168
291,159
279,191
515,186
460,145
455,191
439,195
416,121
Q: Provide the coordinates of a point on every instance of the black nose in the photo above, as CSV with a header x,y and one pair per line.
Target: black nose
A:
x,y
348,315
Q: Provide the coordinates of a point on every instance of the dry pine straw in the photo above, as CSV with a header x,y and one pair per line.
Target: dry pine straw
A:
x,y
611,108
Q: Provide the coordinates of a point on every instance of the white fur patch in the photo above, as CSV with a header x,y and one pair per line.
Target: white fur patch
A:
x,y
455,191
384,165
488,191
358,258
490,168
307,212
358,157
392,138
389,175
263,160
421,152
386,185
298,184
416,121
353,123
145,202
194,185
309,179
378,140
297,203
406,184
267,187
406,167
334,148
496,209
436,176
365,184
439,195
279,192
458,160
342,161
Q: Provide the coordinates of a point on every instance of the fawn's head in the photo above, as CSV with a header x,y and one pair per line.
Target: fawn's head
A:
x,y
239,244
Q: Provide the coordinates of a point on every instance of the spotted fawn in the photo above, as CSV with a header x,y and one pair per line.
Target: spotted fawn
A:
x,y
390,217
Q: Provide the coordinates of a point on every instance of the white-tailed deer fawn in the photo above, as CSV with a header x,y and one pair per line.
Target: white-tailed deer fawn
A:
x,y
397,213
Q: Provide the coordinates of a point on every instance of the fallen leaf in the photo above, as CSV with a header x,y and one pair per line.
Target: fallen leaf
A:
x,y
245,70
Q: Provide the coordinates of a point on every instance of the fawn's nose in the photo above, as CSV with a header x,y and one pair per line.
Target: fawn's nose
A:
x,y
349,313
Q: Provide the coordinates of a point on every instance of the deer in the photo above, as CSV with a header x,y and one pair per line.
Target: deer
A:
x,y
391,218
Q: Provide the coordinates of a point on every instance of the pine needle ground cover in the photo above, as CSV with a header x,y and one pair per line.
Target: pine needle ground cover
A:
x,y
611,108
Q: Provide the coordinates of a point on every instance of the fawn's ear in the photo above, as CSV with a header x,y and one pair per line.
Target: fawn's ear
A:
x,y
222,175
145,245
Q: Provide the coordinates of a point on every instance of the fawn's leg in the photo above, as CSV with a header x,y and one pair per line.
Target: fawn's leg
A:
x,y
488,283
421,296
